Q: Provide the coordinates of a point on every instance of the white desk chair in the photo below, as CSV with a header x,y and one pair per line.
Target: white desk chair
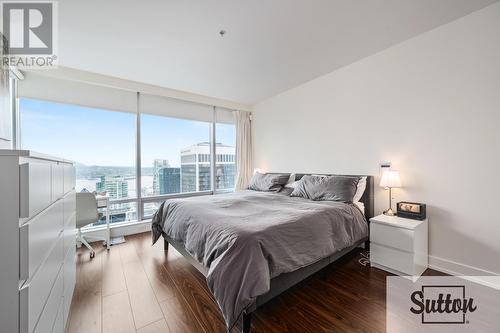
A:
x,y
86,213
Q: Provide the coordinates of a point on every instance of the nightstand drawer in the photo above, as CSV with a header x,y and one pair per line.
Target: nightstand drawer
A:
x,y
392,258
398,238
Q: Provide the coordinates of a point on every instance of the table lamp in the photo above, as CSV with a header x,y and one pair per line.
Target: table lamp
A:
x,y
390,179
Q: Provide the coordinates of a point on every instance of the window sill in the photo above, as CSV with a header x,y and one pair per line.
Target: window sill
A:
x,y
128,227
101,227
118,229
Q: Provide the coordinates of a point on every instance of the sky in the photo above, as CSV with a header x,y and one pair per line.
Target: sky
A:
x,y
107,138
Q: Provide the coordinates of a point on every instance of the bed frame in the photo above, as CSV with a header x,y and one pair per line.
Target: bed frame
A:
x,y
285,281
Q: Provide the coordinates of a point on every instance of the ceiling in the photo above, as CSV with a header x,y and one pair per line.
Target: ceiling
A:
x,y
270,45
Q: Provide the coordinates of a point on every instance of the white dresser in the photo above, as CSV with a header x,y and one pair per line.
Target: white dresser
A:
x,y
37,241
398,245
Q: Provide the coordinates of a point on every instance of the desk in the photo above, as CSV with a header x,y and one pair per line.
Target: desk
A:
x,y
103,202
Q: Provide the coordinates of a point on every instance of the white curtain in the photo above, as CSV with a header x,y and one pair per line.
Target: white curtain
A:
x,y
244,162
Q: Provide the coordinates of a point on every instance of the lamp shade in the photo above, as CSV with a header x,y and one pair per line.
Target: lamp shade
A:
x,y
390,178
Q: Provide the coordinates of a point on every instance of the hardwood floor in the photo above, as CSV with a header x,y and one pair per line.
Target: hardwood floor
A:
x,y
136,287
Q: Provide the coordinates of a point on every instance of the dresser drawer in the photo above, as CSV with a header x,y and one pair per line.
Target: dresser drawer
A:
x,y
35,188
398,238
398,260
70,268
69,234
69,207
37,237
69,281
49,312
59,322
57,181
34,294
69,177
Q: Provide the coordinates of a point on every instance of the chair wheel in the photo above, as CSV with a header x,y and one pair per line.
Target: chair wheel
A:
x,y
92,254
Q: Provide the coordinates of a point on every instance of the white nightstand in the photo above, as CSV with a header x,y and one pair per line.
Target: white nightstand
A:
x,y
398,245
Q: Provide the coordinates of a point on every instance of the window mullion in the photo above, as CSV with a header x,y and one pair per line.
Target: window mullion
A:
x,y
138,160
213,150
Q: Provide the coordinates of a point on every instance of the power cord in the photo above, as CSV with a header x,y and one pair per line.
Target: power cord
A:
x,y
365,258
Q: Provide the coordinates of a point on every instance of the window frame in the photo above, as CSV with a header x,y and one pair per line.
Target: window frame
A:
x,y
139,199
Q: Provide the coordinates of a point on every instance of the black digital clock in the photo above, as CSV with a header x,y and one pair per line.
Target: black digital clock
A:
x,y
411,210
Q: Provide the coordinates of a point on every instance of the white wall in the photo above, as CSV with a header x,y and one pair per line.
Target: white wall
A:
x,y
6,124
5,115
431,106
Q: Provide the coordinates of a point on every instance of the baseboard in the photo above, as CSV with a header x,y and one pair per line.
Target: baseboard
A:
x,y
456,268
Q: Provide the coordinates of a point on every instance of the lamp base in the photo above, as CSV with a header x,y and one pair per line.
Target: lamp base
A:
x,y
389,212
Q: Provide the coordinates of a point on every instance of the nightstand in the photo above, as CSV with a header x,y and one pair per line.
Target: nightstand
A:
x,y
398,245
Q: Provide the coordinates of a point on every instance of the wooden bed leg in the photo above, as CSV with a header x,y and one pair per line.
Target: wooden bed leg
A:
x,y
165,245
247,322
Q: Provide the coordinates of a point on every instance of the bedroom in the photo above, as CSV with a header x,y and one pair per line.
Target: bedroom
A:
x,y
330,111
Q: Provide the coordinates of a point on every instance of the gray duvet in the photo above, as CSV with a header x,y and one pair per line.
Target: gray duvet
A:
x,y
247,238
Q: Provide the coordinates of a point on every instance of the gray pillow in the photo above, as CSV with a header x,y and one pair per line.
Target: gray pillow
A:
x,y
268,181
332,188
286,191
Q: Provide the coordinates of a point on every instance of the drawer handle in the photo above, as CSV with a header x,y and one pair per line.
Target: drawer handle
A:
x,y
24,190
24,310
24,253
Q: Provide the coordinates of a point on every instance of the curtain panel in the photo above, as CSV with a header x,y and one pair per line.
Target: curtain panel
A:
x,y
244,161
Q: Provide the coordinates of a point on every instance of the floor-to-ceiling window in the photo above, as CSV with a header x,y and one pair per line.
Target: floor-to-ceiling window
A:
x,y
100,142
175,157
172,148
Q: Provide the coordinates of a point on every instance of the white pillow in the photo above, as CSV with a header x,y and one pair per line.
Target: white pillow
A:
x,y
360,189
361,206
291,180
292,183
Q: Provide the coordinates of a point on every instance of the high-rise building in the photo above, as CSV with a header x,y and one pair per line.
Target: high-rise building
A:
x,y
158,165
195,167
225,170
115,186
166,180
169,180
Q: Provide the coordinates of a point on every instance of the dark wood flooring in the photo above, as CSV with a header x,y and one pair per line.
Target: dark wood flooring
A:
x,y
139,288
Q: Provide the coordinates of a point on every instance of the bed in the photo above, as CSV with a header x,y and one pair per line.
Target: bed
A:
x,y
252,246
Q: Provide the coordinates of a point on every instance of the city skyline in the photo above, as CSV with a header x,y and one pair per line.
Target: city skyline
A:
x,y
81,129
102,143
98,178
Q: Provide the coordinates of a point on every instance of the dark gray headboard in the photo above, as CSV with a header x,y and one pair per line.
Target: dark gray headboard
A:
x,y
368,198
